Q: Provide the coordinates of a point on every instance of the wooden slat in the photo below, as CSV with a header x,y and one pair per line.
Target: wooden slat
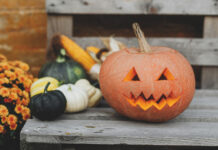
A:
x,y
206,93
121,132
58,24
210,74
190,115
173,7
197,51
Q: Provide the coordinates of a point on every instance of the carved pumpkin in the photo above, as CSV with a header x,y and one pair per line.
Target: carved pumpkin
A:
x,y
154,84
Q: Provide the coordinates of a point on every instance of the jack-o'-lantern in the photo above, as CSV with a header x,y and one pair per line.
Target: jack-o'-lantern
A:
x,y
153,84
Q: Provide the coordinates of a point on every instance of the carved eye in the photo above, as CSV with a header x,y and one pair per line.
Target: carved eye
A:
x,y
132,76
166,75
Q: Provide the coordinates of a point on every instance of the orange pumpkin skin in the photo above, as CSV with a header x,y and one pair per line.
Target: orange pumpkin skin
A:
x,y
130,97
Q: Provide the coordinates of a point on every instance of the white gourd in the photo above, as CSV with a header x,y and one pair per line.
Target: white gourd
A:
x,y
85,85
77,99
93,92
95,99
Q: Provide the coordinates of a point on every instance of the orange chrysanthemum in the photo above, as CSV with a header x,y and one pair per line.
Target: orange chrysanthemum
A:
x,y
11,119
24,66
17,90
20,64
18,109
25,102
27,83
25,94
15,86
13,96
15,83
13,76
18,102
5,65
13,126
3,119
3,110
4,80
7,100
25,116
2,75
10,74
21,78
25,110
1,128
18,71
4,92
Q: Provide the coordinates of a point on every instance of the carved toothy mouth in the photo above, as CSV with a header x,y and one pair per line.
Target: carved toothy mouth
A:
x,y
146,103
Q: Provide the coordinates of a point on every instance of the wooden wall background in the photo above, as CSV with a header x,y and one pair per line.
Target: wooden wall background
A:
x,y
23,31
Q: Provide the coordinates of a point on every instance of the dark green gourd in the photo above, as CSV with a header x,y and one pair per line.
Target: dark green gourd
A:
x,y
63,69
48,105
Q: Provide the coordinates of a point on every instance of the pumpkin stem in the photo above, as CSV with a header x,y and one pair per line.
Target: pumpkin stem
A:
x,y
46,87
143,44
61,57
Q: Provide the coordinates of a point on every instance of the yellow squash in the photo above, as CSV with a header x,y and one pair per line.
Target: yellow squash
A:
x,y
39,85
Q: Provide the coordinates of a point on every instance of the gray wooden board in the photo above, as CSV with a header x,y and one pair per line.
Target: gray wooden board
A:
x,y
190,115
197,126
110,132
175,7
197,51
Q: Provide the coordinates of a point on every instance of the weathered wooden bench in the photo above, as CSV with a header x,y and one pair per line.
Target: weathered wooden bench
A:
x,y
63,14
103,128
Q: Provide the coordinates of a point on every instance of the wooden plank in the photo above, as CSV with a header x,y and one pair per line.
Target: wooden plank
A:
x,y
133,147
106,132
190,115
210,74
58,24
206,93
197,51
172,7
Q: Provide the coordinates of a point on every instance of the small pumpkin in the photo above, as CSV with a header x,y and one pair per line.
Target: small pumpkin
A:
x,y
77,99
39,85
152,83
94,93
63,69
48,105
